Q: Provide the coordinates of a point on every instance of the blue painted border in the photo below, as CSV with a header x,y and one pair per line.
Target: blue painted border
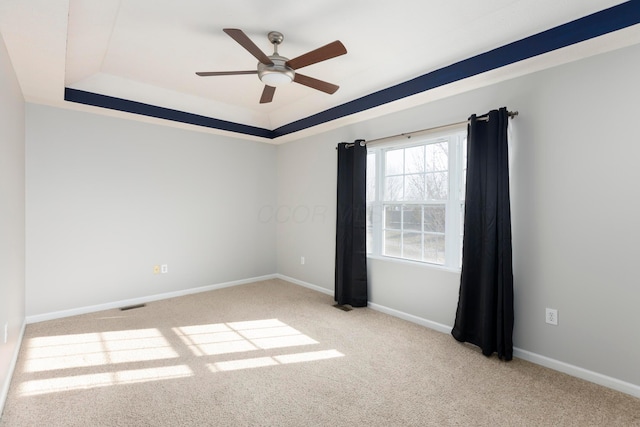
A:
x,y
606,21
97,100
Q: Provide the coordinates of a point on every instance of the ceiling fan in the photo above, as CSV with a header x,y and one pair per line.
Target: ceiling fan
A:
x,y
275,70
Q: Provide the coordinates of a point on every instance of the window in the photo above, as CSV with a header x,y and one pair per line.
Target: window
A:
x,y
415,198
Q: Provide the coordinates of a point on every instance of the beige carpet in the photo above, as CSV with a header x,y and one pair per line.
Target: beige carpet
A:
x,y
275,354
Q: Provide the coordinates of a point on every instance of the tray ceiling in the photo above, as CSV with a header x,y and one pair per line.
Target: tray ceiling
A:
x,y
139,57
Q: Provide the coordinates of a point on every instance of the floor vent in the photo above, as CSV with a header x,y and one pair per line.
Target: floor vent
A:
x,y
131,307
343,307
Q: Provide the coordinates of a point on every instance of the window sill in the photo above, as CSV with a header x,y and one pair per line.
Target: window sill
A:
x,y
414,263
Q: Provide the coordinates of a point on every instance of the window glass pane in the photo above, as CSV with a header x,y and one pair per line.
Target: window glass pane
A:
x,y
393,188
394,162
393,217
434,249
412,246
437,185
371,177
412,218
434,218
392,243
414,187
414,159
437,157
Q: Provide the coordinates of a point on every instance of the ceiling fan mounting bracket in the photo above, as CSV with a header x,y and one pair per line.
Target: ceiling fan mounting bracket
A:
x,y
275,37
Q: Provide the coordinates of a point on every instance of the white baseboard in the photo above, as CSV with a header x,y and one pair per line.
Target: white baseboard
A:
x,y
578,372
396,313
556,365
12,366
141,300
305,284
411,318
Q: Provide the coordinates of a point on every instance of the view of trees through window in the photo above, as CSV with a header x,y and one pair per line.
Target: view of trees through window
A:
x,y
415,200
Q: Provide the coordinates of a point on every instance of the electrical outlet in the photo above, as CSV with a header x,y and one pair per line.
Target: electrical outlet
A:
x,y
551,316
156,269
164,268
302,260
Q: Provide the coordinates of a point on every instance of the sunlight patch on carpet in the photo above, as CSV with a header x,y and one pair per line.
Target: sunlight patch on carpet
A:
x,y
235,337
82,382
95,349
260,362
63,363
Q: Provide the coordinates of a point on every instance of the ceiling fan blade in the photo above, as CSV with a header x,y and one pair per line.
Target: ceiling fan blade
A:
x,y
267,94
323,53
224,73
245,42
315,83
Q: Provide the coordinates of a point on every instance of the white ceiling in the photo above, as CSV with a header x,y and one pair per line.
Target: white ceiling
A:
x,y
149,50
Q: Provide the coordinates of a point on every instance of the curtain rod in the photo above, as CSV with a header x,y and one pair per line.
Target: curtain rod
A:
x,y
484,118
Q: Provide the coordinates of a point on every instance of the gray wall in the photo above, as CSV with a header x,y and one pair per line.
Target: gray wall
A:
x,y
12,245
574,205
107,199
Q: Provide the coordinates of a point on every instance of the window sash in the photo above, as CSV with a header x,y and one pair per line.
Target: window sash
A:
x,y
403,238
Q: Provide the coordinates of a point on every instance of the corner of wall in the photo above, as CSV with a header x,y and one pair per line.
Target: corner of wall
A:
x,y
4,391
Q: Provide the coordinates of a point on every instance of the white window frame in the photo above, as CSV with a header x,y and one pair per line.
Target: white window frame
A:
x,y
454,204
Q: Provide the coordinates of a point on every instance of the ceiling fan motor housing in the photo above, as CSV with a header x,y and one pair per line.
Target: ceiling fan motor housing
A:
x,y
277,74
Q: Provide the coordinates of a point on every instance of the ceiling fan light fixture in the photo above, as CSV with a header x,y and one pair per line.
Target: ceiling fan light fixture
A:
x,y
276,78
276,74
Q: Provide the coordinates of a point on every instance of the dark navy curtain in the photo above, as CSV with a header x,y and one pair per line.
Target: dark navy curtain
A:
x,y
484,316
351,234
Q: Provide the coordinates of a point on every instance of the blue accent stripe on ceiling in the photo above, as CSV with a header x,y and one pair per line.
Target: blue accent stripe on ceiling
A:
x,y
90,98
597,24
606,21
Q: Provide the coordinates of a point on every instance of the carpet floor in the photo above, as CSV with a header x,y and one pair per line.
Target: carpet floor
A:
x,y
272,353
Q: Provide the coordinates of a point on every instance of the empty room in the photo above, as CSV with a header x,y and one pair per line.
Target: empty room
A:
x,y
319,213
